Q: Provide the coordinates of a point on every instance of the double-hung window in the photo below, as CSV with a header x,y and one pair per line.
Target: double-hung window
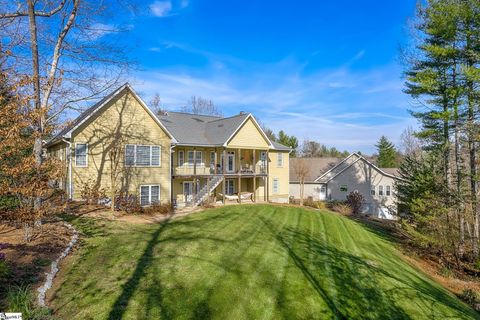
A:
x,y
142,156
181,158
279,159
81,155
387,191
372,191
195,156
275,185
380,190
149,194
213,155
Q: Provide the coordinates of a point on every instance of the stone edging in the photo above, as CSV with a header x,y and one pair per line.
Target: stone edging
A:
x,y
42,291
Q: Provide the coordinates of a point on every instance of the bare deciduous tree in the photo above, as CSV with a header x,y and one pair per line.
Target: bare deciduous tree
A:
x,y
199,105
155,103
302,170
410,144
69,56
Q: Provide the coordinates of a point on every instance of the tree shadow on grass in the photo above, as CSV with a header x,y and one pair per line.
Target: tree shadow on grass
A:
x,y
120,305
156,296
353,287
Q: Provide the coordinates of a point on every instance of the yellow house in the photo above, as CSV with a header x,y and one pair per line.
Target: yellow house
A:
x,y
120,144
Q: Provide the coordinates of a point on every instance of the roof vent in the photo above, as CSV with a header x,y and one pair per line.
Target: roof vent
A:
x,y
242,113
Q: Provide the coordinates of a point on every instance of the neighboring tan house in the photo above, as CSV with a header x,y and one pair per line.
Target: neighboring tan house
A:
x,y
175,157
354,172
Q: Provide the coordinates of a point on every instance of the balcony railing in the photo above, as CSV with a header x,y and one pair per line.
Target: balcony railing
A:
x,y
245,169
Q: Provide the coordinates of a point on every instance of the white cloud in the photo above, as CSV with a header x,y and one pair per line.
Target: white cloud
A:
x,y
161,8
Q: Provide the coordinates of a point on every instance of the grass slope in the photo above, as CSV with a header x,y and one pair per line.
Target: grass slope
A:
x,y
245,262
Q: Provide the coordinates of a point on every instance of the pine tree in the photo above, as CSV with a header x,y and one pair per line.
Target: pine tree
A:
x,y
289,141
387,153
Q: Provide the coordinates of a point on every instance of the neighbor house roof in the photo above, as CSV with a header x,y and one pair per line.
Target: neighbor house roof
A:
x,y
345,164
317,166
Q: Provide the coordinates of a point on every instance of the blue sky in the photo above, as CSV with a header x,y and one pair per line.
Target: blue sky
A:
x,y
323,70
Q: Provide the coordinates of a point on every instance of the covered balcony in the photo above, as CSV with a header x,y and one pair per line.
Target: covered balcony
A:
x,y
219,161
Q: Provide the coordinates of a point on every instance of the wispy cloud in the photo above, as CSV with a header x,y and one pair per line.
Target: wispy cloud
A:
x,y
99,30
166,8
161,8
339,106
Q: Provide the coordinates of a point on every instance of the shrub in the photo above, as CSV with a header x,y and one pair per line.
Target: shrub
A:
x,y
21,299
4,270
8,202
471,297
159,208
446,272
355,200
91,192
342,208
309,202
128,203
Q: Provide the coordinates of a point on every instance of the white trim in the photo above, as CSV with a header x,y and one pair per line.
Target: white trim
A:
x,y
183,158
331,169
86,155
229,154
149,193
114,95
249,116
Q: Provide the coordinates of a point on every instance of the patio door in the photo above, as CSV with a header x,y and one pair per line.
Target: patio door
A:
x,y
188,191
231,162
263,162
229,187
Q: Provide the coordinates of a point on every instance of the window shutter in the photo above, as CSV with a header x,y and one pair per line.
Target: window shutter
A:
x,y
154,194
144,195
129,155
156,156
143,156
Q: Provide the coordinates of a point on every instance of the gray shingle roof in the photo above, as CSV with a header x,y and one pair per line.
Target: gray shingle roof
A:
x,y
318,166
194,129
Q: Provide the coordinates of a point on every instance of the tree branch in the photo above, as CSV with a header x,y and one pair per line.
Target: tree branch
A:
x,y
36,13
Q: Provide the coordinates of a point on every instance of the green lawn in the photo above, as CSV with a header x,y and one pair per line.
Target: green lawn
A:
x,y
245,262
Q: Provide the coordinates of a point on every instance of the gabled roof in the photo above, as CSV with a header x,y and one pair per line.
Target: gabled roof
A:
x,y
88,113
182,128
318,166
348,162
200,130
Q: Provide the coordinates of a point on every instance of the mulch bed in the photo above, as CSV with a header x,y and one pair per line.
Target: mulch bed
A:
x,y
30,261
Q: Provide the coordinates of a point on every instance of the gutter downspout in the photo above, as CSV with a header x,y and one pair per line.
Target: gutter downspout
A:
x,y
172,146
69,156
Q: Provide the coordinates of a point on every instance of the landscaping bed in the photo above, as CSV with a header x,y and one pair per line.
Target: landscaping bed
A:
x,y
28,262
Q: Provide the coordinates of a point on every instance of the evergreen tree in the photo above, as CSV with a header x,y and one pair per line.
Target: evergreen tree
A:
x,y
289,141
387,153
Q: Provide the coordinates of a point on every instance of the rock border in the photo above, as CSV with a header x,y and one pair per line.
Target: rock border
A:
x,y
42,291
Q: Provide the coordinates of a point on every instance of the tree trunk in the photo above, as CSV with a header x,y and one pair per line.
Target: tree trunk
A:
x,y
302,186
37,148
